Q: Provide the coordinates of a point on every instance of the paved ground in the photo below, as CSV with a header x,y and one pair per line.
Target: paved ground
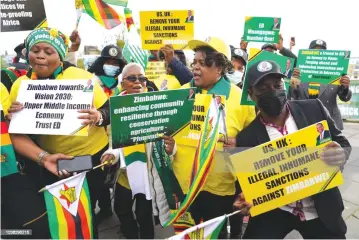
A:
x,y
350,192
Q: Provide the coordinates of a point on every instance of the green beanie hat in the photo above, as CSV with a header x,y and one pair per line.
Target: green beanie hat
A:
x,y
52,36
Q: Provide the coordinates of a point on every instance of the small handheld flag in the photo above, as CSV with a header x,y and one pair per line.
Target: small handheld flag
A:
x,y
69,208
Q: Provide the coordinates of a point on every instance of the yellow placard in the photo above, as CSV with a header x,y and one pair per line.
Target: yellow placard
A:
x,y
286,170
154,70
253,52
190,135
159,28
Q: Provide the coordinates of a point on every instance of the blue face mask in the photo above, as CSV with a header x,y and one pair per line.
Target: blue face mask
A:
x,y
111,70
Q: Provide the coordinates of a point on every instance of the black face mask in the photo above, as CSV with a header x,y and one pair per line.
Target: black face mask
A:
x,y
272,102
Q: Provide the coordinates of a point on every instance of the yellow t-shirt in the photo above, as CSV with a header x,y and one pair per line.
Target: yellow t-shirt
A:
x,y
5,99
221,179
72,145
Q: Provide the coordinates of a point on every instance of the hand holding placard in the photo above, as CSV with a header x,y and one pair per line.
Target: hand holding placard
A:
x,y
169,144
15,107
241,204
91,118
333,154
345,81
168,53
279,45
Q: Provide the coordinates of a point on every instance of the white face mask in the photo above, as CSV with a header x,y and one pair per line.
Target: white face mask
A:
x,y
236,77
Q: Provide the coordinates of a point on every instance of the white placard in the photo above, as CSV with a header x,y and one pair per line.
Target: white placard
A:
x,y
51,107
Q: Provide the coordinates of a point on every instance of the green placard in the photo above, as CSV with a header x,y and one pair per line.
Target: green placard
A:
x,y
143,118
350,110
322,66
262,29
265,56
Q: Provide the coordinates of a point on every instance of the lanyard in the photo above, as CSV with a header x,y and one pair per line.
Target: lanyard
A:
x,y
282,130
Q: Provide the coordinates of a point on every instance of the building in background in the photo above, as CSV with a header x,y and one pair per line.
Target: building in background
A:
x,y
92,50
353,69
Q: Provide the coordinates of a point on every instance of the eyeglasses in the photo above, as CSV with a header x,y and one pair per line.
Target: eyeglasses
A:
x,y
134,78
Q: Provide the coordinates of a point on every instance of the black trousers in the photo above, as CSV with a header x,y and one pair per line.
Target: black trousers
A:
x,y
123,209
236,221
277,223
95,179
208,206
104,199
21,204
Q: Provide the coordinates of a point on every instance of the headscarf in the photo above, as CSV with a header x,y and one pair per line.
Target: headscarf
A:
x,y
52,36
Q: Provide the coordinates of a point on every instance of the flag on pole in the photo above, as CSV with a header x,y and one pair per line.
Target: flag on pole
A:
x,y
103,13
203,159
69,208
129,19
133,53
79,9
207,230
122,3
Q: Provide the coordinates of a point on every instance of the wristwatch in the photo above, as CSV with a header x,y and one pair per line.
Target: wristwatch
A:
x,y
100,121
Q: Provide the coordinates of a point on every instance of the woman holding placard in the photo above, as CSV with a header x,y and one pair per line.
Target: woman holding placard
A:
x,y
210,67
131,184
46,49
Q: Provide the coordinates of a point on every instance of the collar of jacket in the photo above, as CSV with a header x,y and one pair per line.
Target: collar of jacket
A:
x,y
222,87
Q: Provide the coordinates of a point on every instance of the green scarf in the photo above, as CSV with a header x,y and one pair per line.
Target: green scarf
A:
x,y
32,75
222,87
109,82
169,181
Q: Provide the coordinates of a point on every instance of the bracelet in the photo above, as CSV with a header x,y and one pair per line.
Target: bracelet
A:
x,y
40,158
100,121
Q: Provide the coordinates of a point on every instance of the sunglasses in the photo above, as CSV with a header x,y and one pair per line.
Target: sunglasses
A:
x,y
134,78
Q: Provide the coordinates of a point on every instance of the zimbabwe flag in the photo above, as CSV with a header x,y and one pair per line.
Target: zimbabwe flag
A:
x,y
69,208
129,19
8,160
102,13
203,159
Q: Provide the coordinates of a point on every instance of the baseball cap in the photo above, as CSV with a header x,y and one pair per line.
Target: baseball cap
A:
x,y
319,43
239,53
268,45
215,43
112,51
262,69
